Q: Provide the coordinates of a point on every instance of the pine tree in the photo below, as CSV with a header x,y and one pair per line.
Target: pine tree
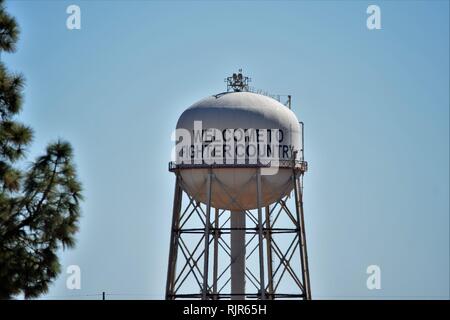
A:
x,y
39,203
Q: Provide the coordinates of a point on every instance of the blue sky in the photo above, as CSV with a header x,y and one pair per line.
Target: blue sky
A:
x,y
375,106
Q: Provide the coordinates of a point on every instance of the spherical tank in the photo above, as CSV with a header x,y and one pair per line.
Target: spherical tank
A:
x,y
235,187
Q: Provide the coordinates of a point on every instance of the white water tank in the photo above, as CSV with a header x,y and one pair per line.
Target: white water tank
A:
x,y
241,110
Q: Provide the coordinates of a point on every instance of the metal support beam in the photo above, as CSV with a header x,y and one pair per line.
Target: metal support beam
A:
x,y
195,238
216,251
207,234
174,234
301,234
268,235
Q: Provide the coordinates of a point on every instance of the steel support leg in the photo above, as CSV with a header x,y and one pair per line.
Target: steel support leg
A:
x,y
207,234
174,234
301,234
260,235
269,253
216,251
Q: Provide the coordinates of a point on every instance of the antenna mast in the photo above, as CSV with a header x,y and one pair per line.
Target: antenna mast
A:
x,y
237,82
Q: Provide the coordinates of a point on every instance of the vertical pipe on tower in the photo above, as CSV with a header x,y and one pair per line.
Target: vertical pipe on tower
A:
x,y
237,223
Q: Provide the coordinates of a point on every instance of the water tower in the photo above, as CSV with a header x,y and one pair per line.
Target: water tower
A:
x,y
238,228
